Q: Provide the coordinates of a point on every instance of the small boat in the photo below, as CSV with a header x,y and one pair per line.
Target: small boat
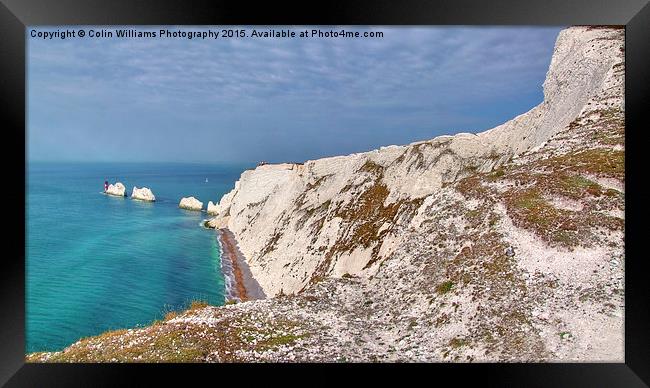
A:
x,y
206,180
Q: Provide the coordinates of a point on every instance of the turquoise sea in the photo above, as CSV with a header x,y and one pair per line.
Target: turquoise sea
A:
x,y
96,262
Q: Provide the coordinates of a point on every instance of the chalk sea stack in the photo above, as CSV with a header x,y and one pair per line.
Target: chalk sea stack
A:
x,y
116,189
143,194
213,209
190,203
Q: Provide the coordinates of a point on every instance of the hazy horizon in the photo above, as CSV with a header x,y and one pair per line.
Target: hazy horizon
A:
x,y
244,100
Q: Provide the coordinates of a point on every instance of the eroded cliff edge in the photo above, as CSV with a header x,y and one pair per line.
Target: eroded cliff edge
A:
x,y
299,222
502,246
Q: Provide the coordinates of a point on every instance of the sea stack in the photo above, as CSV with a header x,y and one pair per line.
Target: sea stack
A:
x,y
190,203
213,208
116,189
143,194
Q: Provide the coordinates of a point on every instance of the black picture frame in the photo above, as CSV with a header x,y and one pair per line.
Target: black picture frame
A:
x,y
16,15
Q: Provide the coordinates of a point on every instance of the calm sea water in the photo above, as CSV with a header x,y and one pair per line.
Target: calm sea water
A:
x,y
96,262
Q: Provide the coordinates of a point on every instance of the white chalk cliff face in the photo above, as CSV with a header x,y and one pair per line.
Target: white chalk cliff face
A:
x,y
337,215
190,203
143,194
116,189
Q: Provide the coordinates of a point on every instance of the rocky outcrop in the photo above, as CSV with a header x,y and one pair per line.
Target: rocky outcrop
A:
x,y
116,189
143,194
218,222
190,203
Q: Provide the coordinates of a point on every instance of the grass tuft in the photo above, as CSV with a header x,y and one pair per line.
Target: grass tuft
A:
x,y
444,287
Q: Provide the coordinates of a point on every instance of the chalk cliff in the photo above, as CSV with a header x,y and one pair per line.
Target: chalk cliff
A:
x,y
297,222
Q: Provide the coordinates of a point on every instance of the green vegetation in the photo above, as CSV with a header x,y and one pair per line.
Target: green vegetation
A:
x,y
534,208
180,342
496,174
279,340
317,279
597,161
198,304
170,315
531,211
575,186
529,200
456,342
473,187
473,213
444,287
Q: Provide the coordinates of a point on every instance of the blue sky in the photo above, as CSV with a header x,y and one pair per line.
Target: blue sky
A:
x,y
275,99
